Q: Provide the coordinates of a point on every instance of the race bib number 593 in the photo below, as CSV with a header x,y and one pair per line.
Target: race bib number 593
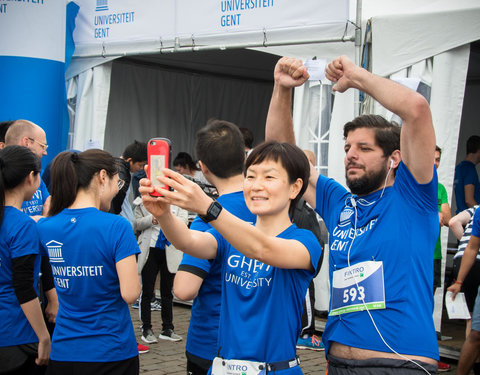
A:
x,y
358,286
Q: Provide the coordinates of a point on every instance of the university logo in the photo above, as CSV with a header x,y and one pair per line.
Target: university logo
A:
x,y
345,216
55,251
101,5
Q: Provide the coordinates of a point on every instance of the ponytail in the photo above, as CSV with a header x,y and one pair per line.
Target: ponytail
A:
x,y
16,163
71,171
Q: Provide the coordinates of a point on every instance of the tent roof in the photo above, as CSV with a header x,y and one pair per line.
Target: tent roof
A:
x,y
422,31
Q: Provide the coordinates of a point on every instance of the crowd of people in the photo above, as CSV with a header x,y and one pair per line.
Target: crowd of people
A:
x,y
76,251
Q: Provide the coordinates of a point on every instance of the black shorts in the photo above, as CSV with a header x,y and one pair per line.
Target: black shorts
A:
x,y
471,283
437,273
129,366
376,366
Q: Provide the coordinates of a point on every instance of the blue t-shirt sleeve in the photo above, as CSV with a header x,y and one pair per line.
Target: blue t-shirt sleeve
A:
x,y
45,193
125,241
203,264
24,240
476,224
221,242
470,176
328,194
308,239
423,197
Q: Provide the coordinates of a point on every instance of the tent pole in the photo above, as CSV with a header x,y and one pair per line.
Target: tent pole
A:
x,y
358,46
196,48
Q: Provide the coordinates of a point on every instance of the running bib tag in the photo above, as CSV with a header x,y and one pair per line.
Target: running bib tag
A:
x,y
347,297
222,366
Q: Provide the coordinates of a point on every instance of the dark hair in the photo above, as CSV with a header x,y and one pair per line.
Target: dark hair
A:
x,y
290,157
3,129
137,151
16,163
71,171
247,137
473,144
438,149
387,134
184,159
219,145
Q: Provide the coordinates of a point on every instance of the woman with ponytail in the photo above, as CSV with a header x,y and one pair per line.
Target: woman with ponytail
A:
x,y
24,339
92,254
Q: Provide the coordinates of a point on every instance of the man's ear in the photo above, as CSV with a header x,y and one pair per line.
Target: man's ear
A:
x,y
24,142
396,157
203,168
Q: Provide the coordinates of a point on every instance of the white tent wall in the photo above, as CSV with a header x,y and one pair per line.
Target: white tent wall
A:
x,y
448,85
90,92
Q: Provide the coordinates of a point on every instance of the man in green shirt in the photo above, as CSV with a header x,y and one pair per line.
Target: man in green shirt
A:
x,y
444,215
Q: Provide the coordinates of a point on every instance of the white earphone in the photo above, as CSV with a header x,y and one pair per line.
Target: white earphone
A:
x,y
391,163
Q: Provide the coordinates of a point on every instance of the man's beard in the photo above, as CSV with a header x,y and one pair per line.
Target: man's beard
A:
x,y
368,183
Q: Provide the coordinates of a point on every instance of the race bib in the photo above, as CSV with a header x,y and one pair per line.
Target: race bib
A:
x,y
237,367
347,297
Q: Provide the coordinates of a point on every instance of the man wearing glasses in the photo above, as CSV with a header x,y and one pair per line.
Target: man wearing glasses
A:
x,y
26,133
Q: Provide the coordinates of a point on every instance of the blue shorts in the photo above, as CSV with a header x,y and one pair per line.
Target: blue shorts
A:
x,y
476,313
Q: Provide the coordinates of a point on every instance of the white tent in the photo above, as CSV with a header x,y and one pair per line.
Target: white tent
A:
x,y
425,40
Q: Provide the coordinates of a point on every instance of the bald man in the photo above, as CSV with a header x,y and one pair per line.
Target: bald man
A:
x,y
26,133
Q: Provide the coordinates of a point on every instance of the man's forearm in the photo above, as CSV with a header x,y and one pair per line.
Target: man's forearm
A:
x,y
468,259
279,126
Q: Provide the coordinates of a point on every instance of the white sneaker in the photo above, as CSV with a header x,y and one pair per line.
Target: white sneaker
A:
x,y
148,336
168,334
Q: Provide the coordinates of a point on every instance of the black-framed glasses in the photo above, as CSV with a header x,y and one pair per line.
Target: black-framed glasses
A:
x,y
44,146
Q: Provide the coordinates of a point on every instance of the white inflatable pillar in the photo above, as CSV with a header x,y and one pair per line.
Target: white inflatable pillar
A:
x,y
32,64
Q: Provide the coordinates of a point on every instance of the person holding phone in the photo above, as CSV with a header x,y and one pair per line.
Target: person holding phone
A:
x,y
24,338
263,267
92,254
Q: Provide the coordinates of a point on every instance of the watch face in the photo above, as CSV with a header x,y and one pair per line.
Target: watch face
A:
x,y
215,210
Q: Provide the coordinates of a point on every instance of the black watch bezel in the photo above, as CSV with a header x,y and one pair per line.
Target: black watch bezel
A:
x,y
212,213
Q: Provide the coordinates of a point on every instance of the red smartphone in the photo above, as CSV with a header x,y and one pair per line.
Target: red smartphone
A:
x,y
159,154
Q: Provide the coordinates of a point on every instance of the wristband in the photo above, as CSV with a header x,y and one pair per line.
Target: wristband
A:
x,y
457,282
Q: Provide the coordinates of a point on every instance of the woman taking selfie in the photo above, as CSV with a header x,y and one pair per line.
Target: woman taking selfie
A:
x,y
266,268
92,254
24,339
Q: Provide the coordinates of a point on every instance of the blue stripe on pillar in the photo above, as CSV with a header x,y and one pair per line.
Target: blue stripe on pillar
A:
x,y
33,89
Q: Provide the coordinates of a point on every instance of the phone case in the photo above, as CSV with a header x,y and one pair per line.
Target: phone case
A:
x,y
159,154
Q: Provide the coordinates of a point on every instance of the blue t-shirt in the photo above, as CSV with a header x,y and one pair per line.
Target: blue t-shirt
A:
x,y
476,224
34,206
203,329
93,321
465,174
260,316
399,229
18,237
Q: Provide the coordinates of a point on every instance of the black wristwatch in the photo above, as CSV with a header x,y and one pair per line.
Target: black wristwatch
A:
x,y
212,212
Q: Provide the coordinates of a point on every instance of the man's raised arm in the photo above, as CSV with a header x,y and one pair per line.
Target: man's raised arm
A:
x,y
289,73
417,141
